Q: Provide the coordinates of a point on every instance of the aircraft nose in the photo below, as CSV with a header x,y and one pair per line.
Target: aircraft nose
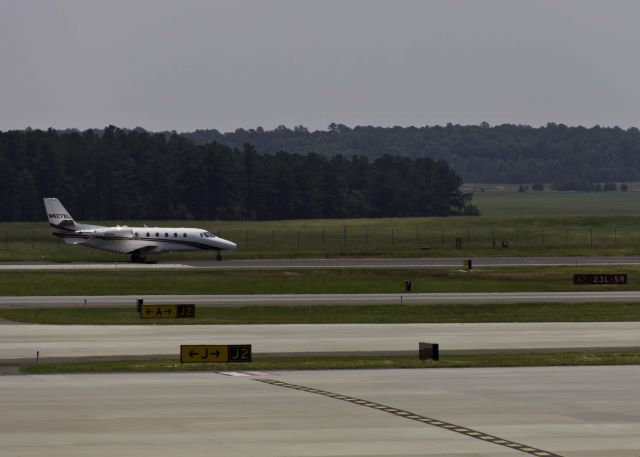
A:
x,y
228,245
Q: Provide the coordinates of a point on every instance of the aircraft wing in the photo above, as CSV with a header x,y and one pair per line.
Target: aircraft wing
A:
x,y
123,246
145,248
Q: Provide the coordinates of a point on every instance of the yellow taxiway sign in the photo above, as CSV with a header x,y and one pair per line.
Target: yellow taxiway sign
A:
x,y
212,353
167,311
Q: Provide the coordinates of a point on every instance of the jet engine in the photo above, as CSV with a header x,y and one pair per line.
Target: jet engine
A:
x,y
110,232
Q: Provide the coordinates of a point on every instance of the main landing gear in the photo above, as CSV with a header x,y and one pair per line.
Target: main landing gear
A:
x,y
138,257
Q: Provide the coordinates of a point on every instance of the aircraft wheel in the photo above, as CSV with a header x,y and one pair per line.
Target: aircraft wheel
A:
x,y
219,257
138,258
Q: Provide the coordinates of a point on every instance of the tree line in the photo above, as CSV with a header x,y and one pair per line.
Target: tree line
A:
x,y
568,158
116,174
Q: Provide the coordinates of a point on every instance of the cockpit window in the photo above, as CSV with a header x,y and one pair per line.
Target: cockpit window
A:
x,y
208,235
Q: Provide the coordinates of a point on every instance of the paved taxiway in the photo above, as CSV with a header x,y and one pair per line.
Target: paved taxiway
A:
x,y
510,412
53,341
76,301
422,262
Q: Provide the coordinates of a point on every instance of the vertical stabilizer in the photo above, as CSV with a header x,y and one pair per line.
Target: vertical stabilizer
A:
x,y
58,216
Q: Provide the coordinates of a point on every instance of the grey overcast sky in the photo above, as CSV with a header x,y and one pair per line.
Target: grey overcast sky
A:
x,y
188,64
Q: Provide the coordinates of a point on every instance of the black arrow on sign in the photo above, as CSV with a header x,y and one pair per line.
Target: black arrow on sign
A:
x,y
206,353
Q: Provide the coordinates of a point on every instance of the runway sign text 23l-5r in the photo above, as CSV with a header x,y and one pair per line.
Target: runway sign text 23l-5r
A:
x,y
600,279
215,353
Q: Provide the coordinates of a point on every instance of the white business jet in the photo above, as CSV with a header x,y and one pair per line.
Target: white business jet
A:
x,y
136,241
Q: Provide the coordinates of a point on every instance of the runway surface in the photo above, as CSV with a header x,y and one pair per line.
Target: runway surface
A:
x,y
80,341
76,301
424,262
510,412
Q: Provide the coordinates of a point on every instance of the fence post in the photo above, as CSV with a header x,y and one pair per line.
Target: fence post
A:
x,y
418,236
366,236
273,239
344,237
392,236
246,237
298,238
323,236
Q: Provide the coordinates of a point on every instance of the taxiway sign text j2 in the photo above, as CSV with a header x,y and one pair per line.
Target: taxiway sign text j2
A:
x,y
208,353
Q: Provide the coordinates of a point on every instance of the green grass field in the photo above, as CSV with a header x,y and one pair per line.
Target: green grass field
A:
x,y
205,282
500,201
373,314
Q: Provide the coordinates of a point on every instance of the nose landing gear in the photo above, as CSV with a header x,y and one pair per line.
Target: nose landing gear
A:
x,y
219,257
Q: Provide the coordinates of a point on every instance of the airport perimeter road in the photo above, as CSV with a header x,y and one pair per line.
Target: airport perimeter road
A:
x,y
423,262
509,412
52,341
76,301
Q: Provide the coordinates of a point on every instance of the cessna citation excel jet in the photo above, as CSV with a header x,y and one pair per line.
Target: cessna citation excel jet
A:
x,y
136,241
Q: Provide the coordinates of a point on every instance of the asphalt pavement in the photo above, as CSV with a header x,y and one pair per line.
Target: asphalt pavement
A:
x,y
480,412
421,262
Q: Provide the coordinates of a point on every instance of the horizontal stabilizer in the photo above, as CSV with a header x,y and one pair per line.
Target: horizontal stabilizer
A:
x,y
66,223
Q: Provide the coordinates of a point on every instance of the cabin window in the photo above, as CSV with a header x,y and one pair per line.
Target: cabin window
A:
x,y
166,235
147,234
184,235
175,235
157,234
136,234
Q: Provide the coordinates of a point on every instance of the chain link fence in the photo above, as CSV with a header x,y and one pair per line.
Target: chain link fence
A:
x,y
372,238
